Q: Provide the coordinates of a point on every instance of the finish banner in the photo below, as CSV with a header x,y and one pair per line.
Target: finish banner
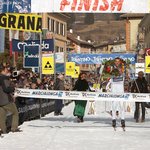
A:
x,y
100,58
74,95
23,22
100,6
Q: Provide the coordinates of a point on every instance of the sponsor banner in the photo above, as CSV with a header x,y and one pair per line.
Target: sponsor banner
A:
x,y
16,6
100,6
48,65
70,67
2,41
23,22
31,56
76,95
139,67
147,64
59,57
99,58
76,72
47,44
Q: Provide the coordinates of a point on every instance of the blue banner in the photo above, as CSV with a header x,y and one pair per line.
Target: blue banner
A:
x,y
2,41
99,58
47,44
15,6
60,67
31,56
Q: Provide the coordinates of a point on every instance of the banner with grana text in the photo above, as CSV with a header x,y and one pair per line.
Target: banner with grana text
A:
x,y
25,22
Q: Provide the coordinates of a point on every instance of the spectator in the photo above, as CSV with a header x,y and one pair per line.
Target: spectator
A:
x,y
7,102
139,86
59,85
80,105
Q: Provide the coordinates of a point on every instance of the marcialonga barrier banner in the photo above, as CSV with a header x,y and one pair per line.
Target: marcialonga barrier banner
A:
x,y
74,95
23,22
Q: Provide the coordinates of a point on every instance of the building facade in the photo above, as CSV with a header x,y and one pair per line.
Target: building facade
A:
x,y
56,24
132,23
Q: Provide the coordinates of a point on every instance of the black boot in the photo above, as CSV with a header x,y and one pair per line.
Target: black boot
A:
x,y
114,123
123,123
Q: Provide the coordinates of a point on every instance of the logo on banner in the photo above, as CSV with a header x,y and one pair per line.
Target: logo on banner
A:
x,y
46,45
135,96
31,56
48,65
71,94
70,67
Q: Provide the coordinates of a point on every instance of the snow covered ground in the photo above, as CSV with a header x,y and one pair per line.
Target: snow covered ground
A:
x,y
64,133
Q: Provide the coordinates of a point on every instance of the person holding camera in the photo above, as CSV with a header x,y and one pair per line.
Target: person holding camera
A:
x,y
7,102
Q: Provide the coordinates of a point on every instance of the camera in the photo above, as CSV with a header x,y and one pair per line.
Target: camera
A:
x,y
15,73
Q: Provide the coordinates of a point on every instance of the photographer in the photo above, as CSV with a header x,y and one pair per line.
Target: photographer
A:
x,y
7,102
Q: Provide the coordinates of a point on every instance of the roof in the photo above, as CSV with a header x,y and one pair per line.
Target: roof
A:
x,y
145,20
73,38
133,15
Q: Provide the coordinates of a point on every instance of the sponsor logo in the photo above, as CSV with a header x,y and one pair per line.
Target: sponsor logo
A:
x,y
47,93
71,94
20,92
135,96
44,45
123,96
88,95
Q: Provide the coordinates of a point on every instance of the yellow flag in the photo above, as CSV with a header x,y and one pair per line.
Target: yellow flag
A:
x,y
70,66
47,65
147,64
76,72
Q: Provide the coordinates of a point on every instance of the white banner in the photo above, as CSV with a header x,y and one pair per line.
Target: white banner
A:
x,y
100,6
74,95
139,67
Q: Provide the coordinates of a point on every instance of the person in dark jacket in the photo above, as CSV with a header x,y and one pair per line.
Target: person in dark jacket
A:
x,y
59,85
139,86
6,101
80,85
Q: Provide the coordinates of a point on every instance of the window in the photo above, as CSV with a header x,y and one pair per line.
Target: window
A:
x,y
57,49
57,27
49,24
52,29
61,49
62,29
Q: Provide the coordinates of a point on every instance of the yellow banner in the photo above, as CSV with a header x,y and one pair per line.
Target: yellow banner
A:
x,y
147,64
70,66
23,22
47,65
76,72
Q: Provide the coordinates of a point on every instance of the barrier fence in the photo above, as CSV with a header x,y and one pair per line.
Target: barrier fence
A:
x,y
75,95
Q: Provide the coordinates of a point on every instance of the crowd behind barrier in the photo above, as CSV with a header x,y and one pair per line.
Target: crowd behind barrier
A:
x,y
32,108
